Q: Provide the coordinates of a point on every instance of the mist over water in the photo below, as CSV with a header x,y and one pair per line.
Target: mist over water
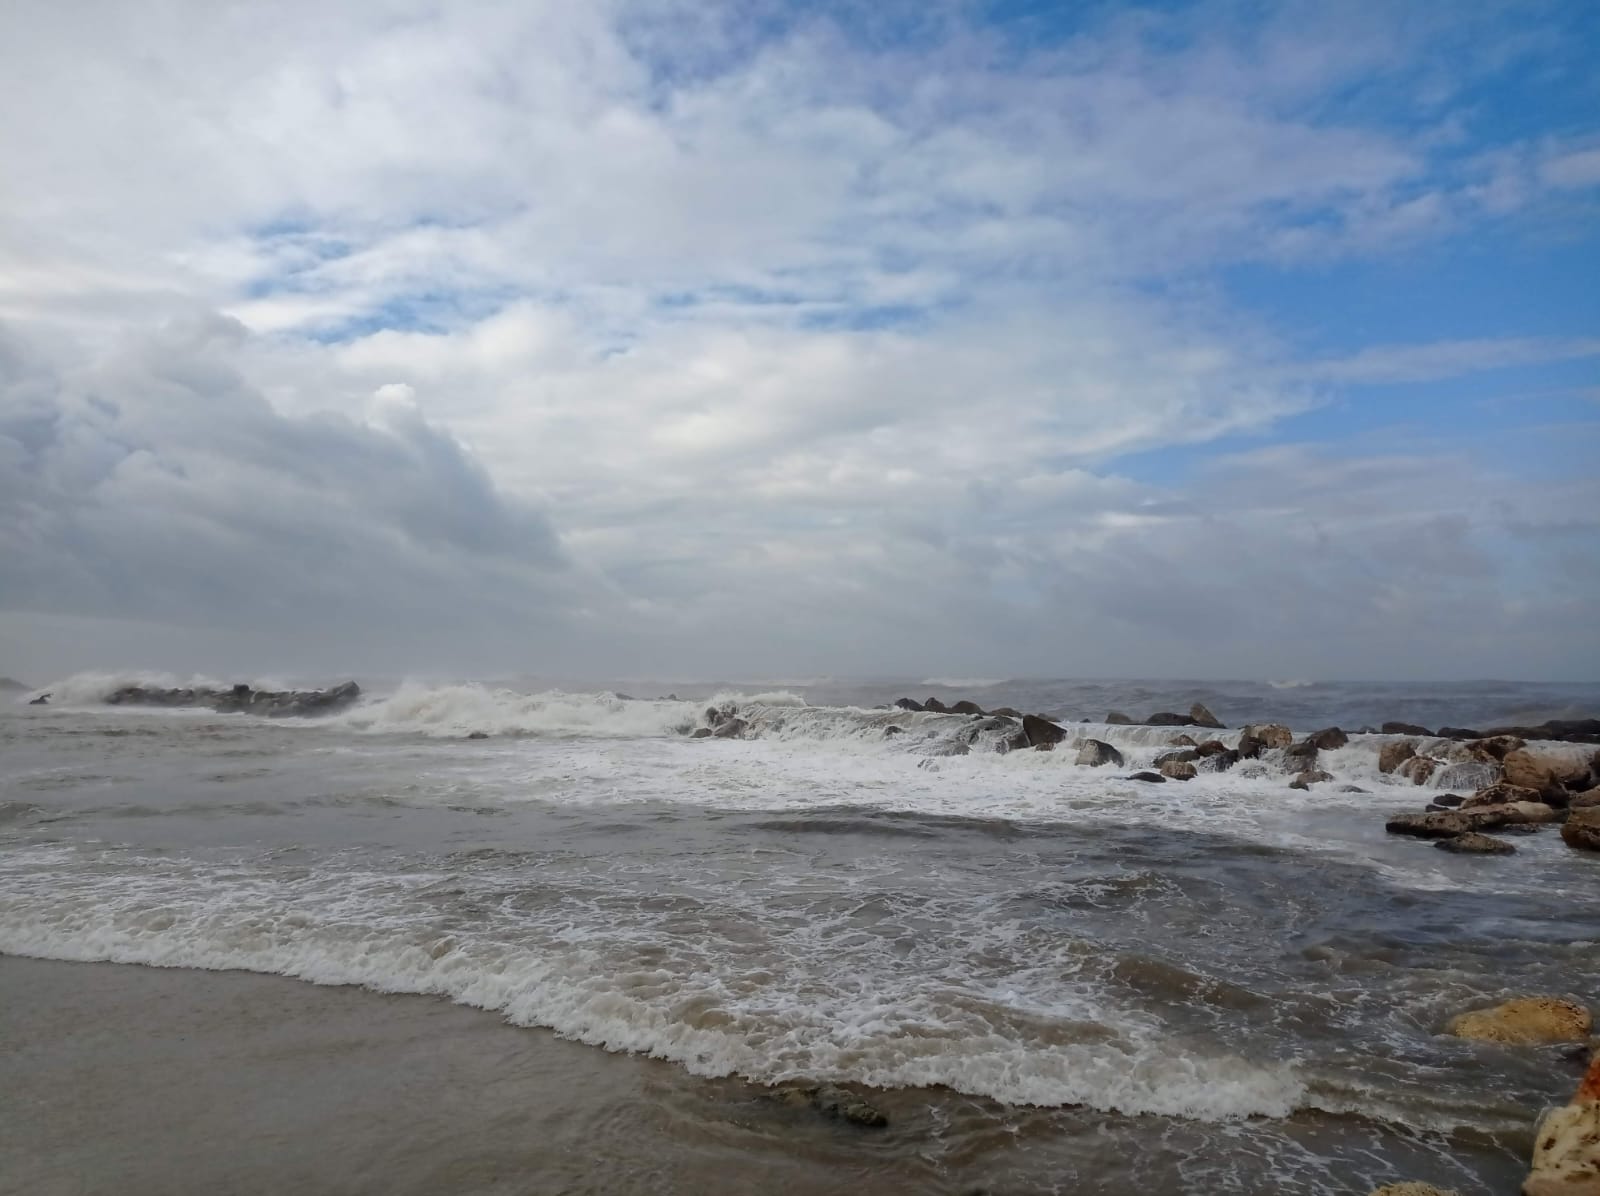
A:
x,y
1240,984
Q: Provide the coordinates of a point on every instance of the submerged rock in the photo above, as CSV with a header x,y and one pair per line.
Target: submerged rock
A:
x,y
1310,777
1524,1021
41,700
1095,752
1417,769
1220,761
841,1103
1475,843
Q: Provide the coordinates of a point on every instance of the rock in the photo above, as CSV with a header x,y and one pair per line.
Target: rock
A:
x,y
1310,777
908,704
1566,1151
1392,755
1498,795
1582,829
841,1103
1527,771
1201,717
891,729
1165,718
1005,712
701,733
1178,770
1586,800
41,700
1148,777
1417,769
730,728
1221,761
1117,719
1449,800
1041,733
1528,813
1568,730
1300,757
1412,1188
1327,739
1474,843
1183,741
1094,753
1351,789
1272,735
1467,774
1444,825
1494,748
1211,747
935,706
1459,733
478,735
1524,1021
1404,729
241,699
966,707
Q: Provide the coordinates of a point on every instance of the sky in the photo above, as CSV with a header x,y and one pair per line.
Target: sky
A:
x,y
676,338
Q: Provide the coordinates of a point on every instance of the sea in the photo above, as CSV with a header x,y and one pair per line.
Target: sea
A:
x,y
1050,978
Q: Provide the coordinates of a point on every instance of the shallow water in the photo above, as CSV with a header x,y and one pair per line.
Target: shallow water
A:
x,y
1059,980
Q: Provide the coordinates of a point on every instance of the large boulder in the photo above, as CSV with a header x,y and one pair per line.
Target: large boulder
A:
x,y
1566,1144
1582,829
1165,718
1041,733
1392,755
1116,718
1201,717
1327,739
1444,824
1418,769
1498,794
1210,747
1219,761
908,704
935,706
1181,756
1527,771
1524,1021
1404,729
1094,753
966,707
1310,777
1474,843
1586,800
1271,735
1494,748
1178,770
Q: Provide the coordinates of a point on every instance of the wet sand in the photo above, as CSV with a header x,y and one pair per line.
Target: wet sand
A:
x,y
134,1080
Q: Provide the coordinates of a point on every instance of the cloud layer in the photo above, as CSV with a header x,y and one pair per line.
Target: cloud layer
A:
x,y
646,337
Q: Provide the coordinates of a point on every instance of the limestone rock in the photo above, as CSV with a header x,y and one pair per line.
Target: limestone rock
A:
x,y
1527,771
1586,800
1412,1188
1095,752
1582,829
1178,770
1499,794
1474,843
1418,769
1525,1021
1566,1152
1310,777
1446,824
1271,735
1392,755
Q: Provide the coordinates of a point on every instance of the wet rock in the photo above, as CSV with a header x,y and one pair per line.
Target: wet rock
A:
x,y
1271,735
1211,747
966,707
1095,752
935,706
241,699
1165,718
1005,712
1467,774
1392,755
1117,719
1041,733
1417,769
1300,757
1494,748
1327,739
1565,730
1524,1021
891,729
1181,756
908,704
41,700
1220,762
1499,794
1582,829
1566,1151
1586,800
1182,741
1352,789
1178,770
478,735
841,1103
1201,717
1445,825
701,733
1412,1188
1310,777
1523,769
1449,800
1475,843
1528,813
1459,733
1404,729
732,727
1148,777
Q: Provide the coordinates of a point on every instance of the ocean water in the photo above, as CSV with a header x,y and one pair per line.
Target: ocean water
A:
x,y
1074,982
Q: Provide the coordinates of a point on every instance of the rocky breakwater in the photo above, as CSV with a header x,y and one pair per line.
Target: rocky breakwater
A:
x,y
1534,790
242,699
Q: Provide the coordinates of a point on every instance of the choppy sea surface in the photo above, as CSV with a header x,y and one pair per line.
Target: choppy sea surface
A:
x,y
1091,984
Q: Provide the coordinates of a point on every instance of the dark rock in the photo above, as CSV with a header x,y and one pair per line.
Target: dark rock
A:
x,y
1474,843
1211,747
966,707
1328,739
1352,789
730,728
41,700
1117,719
714,716
701,733
1220,761
1449,800
242,699
1201,717
1150,778
893,730
670,698
1041,733
1459,733
1095,752
1166,718
1310,777
908,704
1300,757
935,706
1405,729
1006,712
1565,730
478,735
1178,770
1181,756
